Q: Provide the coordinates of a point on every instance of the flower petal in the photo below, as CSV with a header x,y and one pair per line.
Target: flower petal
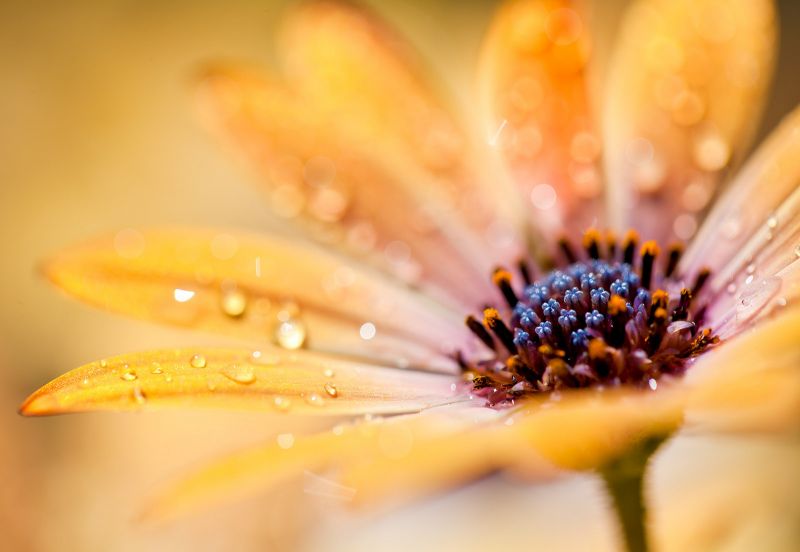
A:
x,y
299,382
684,87
533,85
346,60
257,470
584,430
261,289
750,383
318,176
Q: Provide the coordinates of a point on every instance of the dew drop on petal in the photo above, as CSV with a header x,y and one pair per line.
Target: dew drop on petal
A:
x,y
128,375
182,295
104,362
679,325
314,399
198,361
156,368
367,331
168,378
282,404
285,440
755,296
233,302
291,333
139,395
243,374
331,391
328,372
797,251
772,222
652,384
85,382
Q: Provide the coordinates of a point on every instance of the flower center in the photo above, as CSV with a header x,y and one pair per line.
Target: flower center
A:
x,y
603,320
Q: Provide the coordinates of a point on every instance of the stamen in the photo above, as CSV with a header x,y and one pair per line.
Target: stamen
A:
x,y
650,251
502,279
611,244
524,271
675,252
702,278
492,320
566,248
481,333
681,312
618,310
629,246
591,242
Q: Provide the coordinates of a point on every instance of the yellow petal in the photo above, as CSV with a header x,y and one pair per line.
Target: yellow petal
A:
x,y
532,78
317,175
262,289
257,470
584,430
751,382
299,382
369,80
685,88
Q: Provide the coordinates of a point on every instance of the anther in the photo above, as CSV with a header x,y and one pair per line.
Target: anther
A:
x,y
649,253
702,278
659,301
618,311
591,242
502,279
675,252
597,357
657,330
629,246
480,332
566,248
492,320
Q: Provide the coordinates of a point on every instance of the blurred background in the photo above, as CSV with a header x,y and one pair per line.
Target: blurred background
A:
x,y
97,133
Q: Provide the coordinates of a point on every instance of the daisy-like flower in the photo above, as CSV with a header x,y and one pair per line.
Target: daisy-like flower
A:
x,y
582,349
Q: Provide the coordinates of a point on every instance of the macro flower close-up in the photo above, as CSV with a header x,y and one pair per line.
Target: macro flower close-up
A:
x,y
550,303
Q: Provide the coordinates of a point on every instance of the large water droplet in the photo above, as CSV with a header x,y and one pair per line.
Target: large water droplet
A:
x,y
755,296
233,302
243,374
331,391
198,361
679,325
291,333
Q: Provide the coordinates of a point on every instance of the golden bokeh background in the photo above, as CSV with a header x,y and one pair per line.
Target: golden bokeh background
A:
x,y
97,133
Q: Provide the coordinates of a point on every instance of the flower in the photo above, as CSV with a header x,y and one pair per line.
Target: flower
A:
x,y
365,156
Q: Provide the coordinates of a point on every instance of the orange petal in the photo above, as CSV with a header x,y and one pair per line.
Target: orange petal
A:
x,y
685,87
584,430
317,175
258,469
261,289
299,382
532,78
752,382
361,73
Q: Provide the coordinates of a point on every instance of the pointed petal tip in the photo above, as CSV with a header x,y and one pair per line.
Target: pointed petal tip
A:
x,y
38,404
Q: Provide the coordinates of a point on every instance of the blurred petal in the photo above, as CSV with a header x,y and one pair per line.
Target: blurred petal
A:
x,y
532,78
261,289
584,430
686,85
318,176
298,382
363,75
752,382
257,470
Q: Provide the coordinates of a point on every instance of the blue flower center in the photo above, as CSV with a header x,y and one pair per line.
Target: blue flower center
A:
x,y
606,319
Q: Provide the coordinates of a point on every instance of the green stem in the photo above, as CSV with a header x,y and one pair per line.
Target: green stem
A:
x,y
624,478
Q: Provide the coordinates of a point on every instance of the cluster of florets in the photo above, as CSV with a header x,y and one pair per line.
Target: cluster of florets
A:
x,y
596,321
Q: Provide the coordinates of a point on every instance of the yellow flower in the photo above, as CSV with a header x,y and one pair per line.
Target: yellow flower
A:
x,y
412,214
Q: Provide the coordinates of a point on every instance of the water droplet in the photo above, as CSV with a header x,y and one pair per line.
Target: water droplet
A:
x,y
168,378
328,372
731,288
139,395
282,404
331,391
85,382
156,369
679,325
751,268
797,251
367,331
104,362
128,375
243,374
755,296
314,400
652,384
285,440
182,295
772,222
198,361
211,386
233,302
291,333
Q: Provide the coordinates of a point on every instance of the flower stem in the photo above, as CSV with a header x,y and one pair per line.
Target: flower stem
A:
x,y
624,478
